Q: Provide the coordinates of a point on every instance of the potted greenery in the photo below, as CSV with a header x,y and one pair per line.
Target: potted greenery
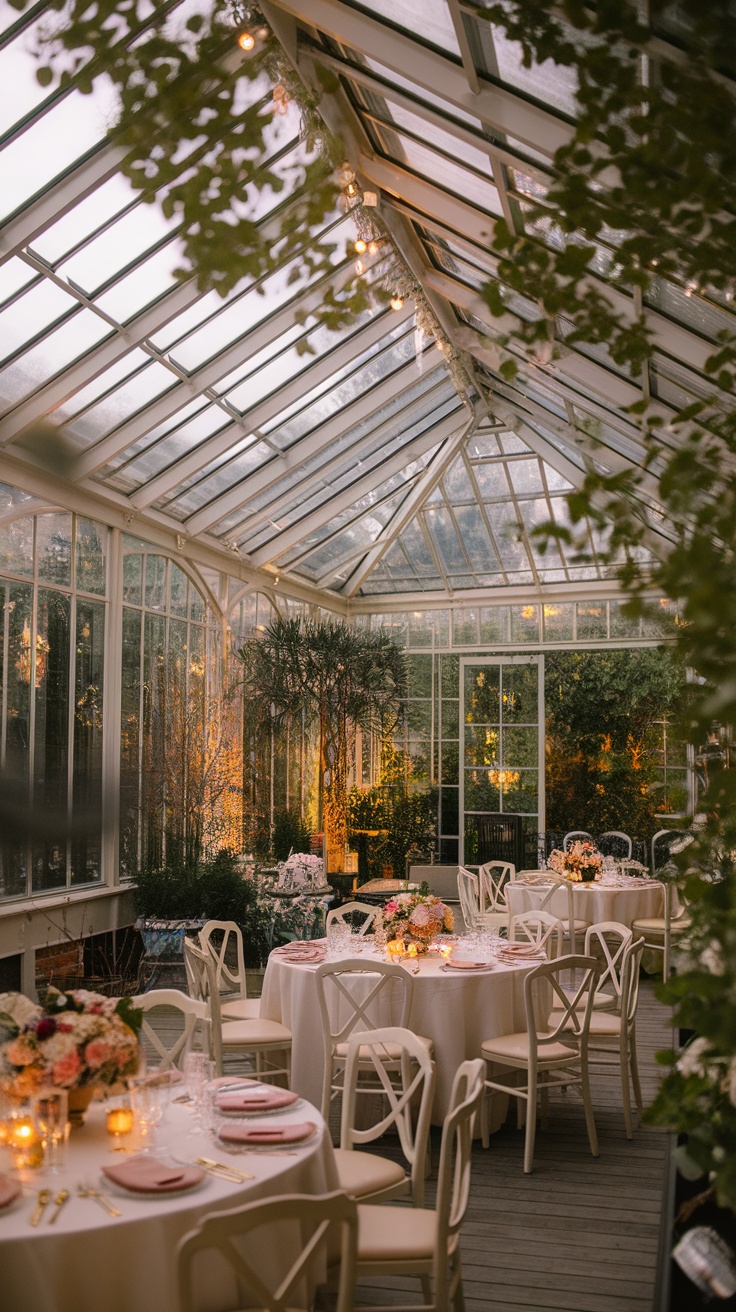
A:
x,y
175,900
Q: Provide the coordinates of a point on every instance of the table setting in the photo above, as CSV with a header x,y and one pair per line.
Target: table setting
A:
x,y
465,988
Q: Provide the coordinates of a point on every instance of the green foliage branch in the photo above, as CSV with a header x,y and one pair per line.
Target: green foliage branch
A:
x,y
650,169
194,118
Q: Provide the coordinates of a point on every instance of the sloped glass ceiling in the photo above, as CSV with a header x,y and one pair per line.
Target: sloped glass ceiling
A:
x,y
349,463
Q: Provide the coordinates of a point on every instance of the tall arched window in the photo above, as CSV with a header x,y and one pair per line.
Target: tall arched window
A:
x,y
53,589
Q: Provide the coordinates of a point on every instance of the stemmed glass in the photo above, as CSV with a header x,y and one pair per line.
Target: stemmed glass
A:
x,y
198,1071
150,1098
50,1109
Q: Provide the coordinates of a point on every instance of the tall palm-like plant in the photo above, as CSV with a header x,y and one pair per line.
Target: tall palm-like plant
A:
x,y
338,678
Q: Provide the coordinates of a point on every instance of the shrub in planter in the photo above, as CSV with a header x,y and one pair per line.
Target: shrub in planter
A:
x,y
212,890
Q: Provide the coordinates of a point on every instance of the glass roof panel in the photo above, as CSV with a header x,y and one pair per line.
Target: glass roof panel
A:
x,y
436,25
14,275
56,351
548,83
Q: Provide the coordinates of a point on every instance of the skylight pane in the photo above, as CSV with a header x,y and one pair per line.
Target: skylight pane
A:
x,y
54,142
66,344
436,24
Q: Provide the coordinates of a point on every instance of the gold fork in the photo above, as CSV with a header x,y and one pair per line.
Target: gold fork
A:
x,y
59,1201
85,1192
227,1172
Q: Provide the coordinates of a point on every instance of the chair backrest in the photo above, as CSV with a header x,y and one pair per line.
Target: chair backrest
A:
x,y
572,1010
609,939
575,836
202,983
194,1014
348,910
615,843
661,846
494,876
453,1178
398,1107
357,995
316,1216
540,928
469,894
344,1009
630,971
223,939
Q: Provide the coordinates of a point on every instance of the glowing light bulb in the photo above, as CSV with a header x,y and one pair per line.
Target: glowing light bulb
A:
x,y
360,246
397,303
373,248
246,41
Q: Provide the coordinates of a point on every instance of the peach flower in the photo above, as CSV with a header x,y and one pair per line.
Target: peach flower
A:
x,y
67,1069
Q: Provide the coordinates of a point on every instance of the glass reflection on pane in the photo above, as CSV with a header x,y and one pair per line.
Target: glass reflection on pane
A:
x,y
51,733
88,704
91,553
54,548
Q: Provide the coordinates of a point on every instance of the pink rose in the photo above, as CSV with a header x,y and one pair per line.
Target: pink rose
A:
x,y
390,907
97,1053
67,1069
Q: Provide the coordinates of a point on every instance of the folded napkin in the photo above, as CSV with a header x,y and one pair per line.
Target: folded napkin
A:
x,y
299,945
267,1134
9,1190
521,950
318,954
266,1098
145,1175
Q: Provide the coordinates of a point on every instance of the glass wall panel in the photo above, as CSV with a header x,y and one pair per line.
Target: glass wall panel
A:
x,y
87,773
50,673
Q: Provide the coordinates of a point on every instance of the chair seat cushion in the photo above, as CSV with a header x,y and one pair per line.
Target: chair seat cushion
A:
x,y
392,1050
367,1173
601,1022
580,926
239,1033
388,1233
655,925
241,1009
515,1047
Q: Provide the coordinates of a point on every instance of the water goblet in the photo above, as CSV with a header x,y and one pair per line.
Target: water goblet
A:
x,y
50,1109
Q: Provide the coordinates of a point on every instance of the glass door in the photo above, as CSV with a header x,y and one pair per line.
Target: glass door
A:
x,y
502,754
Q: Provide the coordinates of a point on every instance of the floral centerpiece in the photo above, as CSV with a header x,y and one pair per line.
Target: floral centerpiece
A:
x,y
582,862
413,917
75,1040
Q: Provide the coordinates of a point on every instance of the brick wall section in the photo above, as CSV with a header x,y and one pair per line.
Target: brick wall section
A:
x,y
59,960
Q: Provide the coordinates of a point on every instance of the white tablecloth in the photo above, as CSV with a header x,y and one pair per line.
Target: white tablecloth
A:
x,y
593,902
456,1010
89,1262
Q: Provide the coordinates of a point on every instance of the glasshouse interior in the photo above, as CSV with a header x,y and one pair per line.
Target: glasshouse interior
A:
x,y
367,534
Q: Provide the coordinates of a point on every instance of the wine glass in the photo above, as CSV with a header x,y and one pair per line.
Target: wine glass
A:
x,y
50,1109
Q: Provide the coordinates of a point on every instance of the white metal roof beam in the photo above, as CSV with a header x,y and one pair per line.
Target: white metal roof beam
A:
x,y
198,382
341,529
512,594
316,373
418,495
496,106
59,199
343,500
348,455
372,402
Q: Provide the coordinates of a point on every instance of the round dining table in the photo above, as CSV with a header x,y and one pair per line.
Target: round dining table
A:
x,y
623,901
456,1009
88,1261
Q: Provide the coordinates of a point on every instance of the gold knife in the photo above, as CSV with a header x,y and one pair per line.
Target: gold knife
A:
x,y
59,1201
44,1197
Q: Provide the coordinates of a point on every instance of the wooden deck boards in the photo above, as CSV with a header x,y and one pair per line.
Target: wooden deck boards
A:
x,y
579,1234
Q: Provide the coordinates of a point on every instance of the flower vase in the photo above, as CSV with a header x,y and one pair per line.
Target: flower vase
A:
x,y
587,874
79,1101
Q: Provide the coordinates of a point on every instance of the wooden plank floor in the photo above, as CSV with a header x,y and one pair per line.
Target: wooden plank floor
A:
x,y
579,1234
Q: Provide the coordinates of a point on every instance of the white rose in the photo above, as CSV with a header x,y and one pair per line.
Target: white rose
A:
x,y
691,1060
711,958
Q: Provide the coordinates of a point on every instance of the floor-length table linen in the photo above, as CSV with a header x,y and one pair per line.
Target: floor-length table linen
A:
x,y
89,1262
594,902
456,1009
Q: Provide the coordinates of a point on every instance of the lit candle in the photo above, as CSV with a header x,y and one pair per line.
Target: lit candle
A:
x,y
412,950
24,1141
445,950
120,1120
395,949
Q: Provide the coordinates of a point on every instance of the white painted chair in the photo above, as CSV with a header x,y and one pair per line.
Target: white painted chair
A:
x,y
405,1107
661,846
541,898
552,1055
468,891
195,1016
268,1042
345,913
576,836
615,1035
494,878
616,844
223,939
356,994
539,928
658,931
403,1241
320,1219
608,940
